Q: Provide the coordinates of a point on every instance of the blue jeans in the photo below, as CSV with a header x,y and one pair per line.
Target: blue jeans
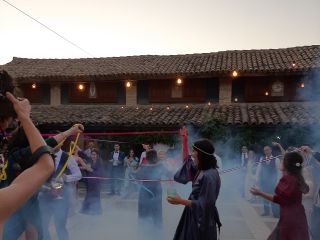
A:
x,y
58,209
29,213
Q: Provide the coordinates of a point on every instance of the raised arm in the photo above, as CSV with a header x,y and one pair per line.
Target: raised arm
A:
x,y
28,182
276,144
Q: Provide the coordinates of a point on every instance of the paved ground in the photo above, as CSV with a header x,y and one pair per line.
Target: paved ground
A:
x,y
240,219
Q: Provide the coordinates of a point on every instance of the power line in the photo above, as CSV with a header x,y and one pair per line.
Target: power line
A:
x,y
51,30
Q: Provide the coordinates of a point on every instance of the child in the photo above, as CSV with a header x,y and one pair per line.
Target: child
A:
x,y
288,194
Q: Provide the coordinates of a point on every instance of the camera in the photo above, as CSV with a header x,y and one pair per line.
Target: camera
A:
x,y
6,107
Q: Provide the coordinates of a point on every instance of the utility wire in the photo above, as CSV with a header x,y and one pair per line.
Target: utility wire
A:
x,y
51,30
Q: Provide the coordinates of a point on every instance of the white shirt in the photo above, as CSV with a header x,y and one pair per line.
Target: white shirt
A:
x,y
115,158
243,157
72,166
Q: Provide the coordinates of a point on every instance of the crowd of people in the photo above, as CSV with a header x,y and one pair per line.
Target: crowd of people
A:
x,y
39,177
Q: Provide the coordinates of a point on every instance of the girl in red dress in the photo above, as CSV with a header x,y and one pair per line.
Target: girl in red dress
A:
x,y
288,194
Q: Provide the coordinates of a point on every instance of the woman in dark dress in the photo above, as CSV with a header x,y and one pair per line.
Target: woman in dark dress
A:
x,y
92,202
288,194
200,217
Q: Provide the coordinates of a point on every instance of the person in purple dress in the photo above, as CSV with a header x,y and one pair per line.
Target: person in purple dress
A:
x,y
92,202
200,217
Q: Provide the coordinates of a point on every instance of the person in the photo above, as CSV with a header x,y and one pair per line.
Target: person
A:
x,y
55,199
150,194
92,202
91,145
288,194
311,201
200,216
30,180
266,177
18,160
116,158
250,174
143,158
131,164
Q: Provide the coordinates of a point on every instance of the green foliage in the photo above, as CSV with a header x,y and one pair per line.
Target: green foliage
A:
x,y
215,130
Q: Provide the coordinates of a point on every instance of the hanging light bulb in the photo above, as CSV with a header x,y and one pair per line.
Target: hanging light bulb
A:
x,y
266,93
128,84
302,85
34,86
209,103
80,86
179,81
168,108
236,99
234,73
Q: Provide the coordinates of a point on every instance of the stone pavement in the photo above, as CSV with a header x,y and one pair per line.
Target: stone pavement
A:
x,y
240,219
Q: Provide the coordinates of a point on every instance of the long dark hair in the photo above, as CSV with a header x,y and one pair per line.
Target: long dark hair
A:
x,y
134,155
292,163
206,156
152,156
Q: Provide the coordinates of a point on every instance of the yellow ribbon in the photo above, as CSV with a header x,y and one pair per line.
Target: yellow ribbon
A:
x,y
3,175
71,151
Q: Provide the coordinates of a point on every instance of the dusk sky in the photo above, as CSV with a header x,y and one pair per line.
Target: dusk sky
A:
x,y
106,28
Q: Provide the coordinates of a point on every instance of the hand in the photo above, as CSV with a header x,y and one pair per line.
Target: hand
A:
x,y
306,150
77,128
176,200
183,132
22,108
255,191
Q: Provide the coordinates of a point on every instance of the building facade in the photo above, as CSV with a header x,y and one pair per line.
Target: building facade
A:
x,y
241,87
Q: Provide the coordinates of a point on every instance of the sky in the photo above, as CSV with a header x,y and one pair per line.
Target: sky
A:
x,y
107,28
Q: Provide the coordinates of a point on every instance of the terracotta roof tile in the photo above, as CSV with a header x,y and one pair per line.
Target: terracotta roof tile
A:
x,y
157,66
177,115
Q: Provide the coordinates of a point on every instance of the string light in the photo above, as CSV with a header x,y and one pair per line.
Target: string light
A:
x,y
234,73
137,108
122,107
179,81
168,108
294,64
34,86
302,85
209,103
236,99
187,106
151,109
80,87
128,84
266,93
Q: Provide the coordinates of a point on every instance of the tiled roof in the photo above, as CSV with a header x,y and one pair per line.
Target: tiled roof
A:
x,y
157,66
178,115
